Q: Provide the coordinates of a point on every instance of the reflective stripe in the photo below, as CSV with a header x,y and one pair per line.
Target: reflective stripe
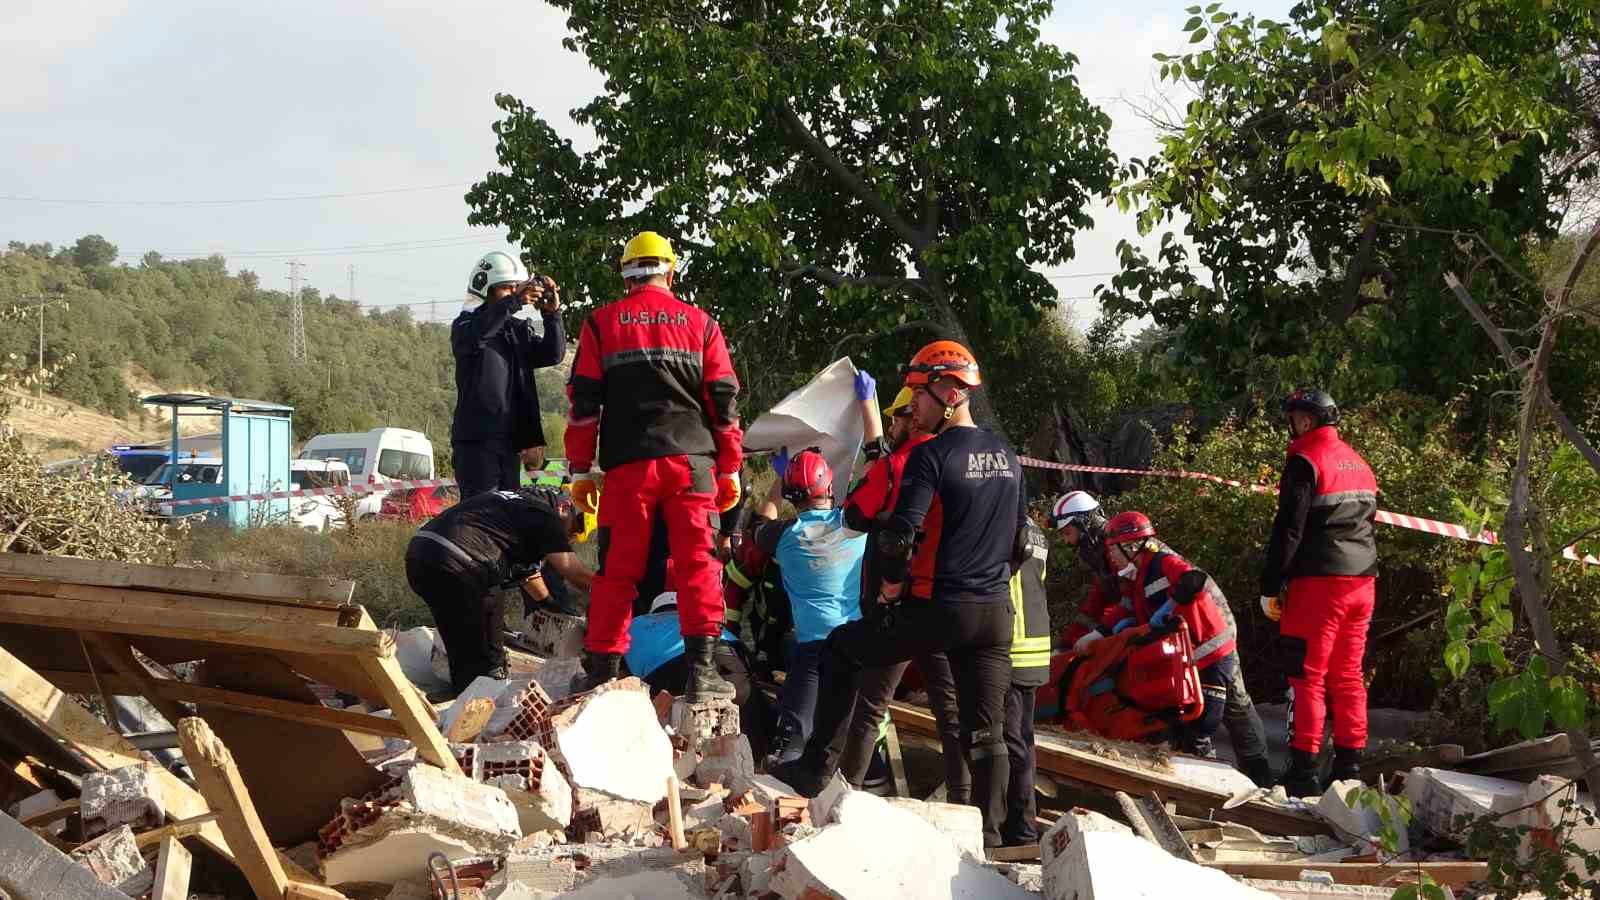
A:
x,y
455,550
1030,652
732,615
650,354
1211,646
1103,686
1156,587
1338,497
737,577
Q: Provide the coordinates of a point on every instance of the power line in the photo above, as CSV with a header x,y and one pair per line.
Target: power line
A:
x,y
1082,275
236,201
385,247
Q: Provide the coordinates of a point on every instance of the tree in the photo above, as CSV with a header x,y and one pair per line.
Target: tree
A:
x,y
1330,165
92,250
836,171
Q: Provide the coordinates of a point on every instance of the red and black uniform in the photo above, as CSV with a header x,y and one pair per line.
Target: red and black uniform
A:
x,y
1159,569
1323,545
653,384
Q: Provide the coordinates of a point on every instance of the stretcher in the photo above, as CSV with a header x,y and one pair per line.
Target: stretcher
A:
x,y
1133,686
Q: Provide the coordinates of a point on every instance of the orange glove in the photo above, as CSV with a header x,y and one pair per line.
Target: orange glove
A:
x,y
585,494
1272,607
727,492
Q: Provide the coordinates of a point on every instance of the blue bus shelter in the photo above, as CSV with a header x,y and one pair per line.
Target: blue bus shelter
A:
x,y
255,450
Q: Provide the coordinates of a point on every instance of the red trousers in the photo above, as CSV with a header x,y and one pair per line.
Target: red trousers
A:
x,y
631,497
1324,636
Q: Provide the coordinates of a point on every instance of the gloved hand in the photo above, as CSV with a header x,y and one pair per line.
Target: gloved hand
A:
x,y
1164,620
727,492
780,461
1273,607
585,493
1084,642
866,387
1124,625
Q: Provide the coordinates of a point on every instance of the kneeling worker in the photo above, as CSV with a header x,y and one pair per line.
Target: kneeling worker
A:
x,y
455,562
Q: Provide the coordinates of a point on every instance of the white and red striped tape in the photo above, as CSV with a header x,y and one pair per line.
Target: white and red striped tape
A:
x,y
1399,520
342,491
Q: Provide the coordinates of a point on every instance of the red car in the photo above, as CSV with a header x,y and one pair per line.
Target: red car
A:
x,y
417,505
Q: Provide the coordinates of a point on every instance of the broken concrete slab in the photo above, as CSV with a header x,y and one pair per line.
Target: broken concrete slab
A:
x,y
114,859
554,635
701,722
1439,796
726,760
876,850
609,816
961,823
413,649
1068,829
125,796
1312,890
755,874
556,676
553,871
31,869
824,807
530,779
608,739
434,793
1553,810
666,884
1360,824
1105,865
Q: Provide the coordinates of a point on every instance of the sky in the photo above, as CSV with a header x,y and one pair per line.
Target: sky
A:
x,y
181,127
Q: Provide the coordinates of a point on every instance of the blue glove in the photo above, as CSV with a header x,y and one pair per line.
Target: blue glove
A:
x,y
1163,619
1124,624
780,461
866,388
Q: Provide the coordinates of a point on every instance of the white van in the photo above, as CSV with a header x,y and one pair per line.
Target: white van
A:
x,y
320,512
376,456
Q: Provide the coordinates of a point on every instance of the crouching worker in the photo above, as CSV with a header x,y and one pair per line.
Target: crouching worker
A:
x,y
1159,589
656,654
455,562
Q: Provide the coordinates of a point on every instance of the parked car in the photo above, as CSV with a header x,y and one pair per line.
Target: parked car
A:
x,y
141,462
157,486
373,457
317,513
418,505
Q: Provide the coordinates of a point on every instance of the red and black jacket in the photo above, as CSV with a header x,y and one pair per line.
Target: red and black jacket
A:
x,y
652,378
1327,504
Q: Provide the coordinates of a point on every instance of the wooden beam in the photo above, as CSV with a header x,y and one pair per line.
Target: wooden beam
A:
x,y
172,871
406,703
289,710
268,587
175,603
303,890
85,615
222,787
1114,775
180,829
53,814
1439,756
116,650
1449,874
897,762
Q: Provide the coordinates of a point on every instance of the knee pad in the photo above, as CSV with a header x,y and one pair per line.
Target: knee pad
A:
x,y
986,742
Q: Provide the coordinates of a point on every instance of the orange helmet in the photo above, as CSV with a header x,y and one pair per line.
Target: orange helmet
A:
x,y
939,359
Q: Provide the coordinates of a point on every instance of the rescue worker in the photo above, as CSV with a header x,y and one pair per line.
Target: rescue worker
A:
x,y
653,385
821,563
866,508
496,431
455,562
656,655
1159,588
1030,668
1319,583
962,491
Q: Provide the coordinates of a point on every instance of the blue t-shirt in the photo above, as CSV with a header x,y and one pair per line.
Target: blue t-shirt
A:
x,y
821,562
654,641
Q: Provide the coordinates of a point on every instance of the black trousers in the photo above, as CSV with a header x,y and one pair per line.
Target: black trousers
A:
x,y
1022,810
483,466
469,615
976,636
875,688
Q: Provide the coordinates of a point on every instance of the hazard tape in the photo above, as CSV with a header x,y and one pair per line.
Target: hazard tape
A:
x,y
1398,520
335,491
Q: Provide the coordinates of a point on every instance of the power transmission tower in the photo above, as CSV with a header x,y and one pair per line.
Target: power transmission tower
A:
x,y
297,316
352,283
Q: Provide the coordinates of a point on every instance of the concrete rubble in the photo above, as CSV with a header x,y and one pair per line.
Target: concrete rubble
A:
x,y
554,635
125,796
530,779
610,740
1362,824
1108,865
1439,797
31,868
114,859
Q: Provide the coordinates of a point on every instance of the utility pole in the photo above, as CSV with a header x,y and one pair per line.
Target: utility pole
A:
x,y
352,282
40,302
297,316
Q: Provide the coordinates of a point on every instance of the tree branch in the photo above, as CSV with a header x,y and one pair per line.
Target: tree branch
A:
x,y
835,278
903,328
1350,299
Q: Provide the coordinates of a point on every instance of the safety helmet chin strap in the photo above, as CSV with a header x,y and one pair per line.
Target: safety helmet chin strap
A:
x,y
949,408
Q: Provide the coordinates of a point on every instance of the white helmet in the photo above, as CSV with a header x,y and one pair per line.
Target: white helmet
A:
x,y
1077,508
495,267
665,600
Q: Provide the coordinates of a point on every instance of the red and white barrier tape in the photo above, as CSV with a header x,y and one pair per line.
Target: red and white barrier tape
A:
x,y
1399,520
343,491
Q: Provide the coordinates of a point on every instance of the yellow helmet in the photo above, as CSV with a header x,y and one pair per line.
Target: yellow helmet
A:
x,y
900,401
647,254
587,520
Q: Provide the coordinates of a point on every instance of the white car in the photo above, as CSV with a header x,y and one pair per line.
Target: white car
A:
x,y
318,513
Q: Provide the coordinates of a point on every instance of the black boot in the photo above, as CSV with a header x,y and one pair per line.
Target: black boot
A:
x,y
598,668
1301,780
1259,769
808,774
705,682
1346,763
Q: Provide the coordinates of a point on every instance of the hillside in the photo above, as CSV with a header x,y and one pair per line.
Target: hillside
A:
x,y
128,331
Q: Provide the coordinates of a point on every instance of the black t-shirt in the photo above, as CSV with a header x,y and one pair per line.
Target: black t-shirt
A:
x,y
963,490
505,529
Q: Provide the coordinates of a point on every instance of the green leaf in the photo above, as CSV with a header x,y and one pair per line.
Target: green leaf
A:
x,y
1457,657
1198,36
1192,24
1569,705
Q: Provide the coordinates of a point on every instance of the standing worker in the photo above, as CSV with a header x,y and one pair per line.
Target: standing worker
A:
x,y
496,431
1324,548
962,492
455,562
652,384
1030,668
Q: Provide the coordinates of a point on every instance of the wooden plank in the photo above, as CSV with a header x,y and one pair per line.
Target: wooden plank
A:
x,y
1114,775
897,762
257,586
1024,853
115,650
53,814
675,815
172,871
1439,756
406,703
220,784
184,603
83,615
180,829
287,710
1153,823
1449,874
302,890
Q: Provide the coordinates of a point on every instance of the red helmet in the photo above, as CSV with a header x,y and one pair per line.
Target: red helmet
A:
x,y
1127,527
940,359
808,477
